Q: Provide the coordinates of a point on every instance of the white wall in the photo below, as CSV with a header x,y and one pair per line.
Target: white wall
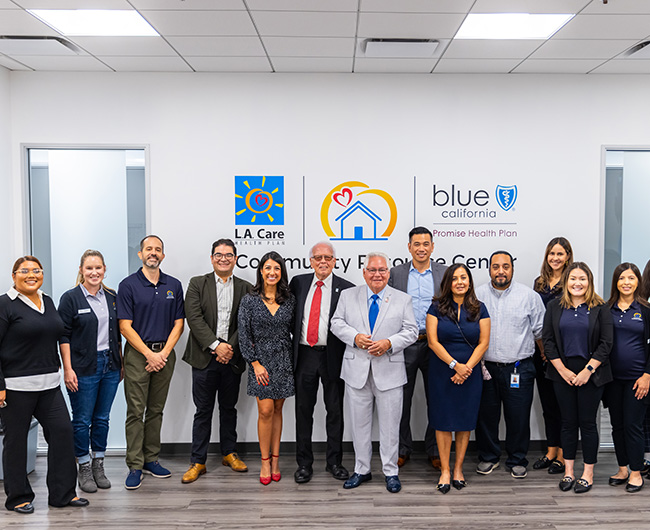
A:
x,y
6,217
543,133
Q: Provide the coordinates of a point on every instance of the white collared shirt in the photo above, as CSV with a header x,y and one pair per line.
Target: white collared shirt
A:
x,y
325,302
225,296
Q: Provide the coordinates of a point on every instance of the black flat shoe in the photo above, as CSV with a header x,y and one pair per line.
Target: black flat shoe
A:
x,y
543,463
632,488
567,483
79,502
613,481
443,488
582,486
556,468
458,484
25,508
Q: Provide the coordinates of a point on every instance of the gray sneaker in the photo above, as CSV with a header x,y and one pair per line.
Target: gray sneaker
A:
x,y
86,480
518,472
99,475
485,468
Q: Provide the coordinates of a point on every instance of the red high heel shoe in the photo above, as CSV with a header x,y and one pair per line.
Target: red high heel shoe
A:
x,y
276,476
265,480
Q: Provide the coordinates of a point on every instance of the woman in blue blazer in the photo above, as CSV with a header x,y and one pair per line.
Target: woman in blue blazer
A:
x,y
91,349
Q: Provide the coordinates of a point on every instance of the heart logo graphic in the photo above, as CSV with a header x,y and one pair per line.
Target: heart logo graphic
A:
x,y
343,197
261,200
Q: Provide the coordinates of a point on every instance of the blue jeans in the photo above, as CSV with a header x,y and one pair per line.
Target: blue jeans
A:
x,y
91,408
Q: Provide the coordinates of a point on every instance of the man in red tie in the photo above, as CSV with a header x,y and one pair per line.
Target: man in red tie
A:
x,y
317,355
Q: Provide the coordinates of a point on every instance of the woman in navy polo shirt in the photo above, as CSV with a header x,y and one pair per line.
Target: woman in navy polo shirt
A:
x,y
578,336
91,349
627,394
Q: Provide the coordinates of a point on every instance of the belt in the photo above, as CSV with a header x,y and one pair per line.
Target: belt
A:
x,y
509,364
422,336
156,346
315,348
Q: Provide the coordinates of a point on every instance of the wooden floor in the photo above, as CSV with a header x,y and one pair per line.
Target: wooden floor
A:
x,y
229,500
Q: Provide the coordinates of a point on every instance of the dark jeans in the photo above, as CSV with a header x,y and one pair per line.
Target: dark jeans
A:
x,y
216,381
516,411
312,366
626,414
579,409
91,407
548,400
416,357
49,408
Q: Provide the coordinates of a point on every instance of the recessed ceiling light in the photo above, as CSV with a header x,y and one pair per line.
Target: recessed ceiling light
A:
x,y
96,22
511,25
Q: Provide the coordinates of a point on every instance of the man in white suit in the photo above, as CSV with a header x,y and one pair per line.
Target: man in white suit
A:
x,y
376,323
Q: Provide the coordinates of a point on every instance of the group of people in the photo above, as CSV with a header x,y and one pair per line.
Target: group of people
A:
x,y
479,351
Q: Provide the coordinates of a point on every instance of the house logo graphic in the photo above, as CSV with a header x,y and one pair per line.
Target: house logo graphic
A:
x,y
506,196
354,211
259,200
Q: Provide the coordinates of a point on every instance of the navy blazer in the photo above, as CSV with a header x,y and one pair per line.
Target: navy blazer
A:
x,y
601,339
81,331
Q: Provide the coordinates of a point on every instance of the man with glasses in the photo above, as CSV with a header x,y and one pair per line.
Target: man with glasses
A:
x,y
317,354
211,307
376,323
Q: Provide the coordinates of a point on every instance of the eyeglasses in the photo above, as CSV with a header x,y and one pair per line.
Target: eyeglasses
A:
x,y
322,258
219,255
383,270
33,271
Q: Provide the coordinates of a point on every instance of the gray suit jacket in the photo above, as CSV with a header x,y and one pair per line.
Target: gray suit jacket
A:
x,y
395,322
399,276
201,314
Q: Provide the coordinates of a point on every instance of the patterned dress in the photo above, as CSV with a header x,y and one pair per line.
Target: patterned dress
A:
x,y
266,338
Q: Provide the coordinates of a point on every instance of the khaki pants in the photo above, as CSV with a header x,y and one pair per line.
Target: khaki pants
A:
x,y
146,394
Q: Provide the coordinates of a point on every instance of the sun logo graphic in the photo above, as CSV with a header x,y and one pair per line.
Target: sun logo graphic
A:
x,y
354,211
259,200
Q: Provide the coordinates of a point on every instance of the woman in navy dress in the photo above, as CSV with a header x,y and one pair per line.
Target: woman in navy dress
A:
x,y
458,331
265,324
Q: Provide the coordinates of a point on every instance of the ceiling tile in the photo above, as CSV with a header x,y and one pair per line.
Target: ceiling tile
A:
x,y
404,66
188,5
197,23
125,46
303,5
416,6
218,46
557,66
475,66
582,49
312,64
610,26
529,6
17,22
309,47
64,64
147,64
491,49
624,66
414,26
305,24
9,63
619,6
74,4
230,64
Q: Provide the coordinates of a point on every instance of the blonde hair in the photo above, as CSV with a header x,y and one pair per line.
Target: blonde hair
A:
x,y
90,254
591,298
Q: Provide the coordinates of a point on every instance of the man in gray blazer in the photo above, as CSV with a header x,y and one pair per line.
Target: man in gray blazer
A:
x,y
211,303
420,278
376,323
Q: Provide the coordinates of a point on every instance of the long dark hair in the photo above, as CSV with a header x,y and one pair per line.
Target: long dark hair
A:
x,y
283,293
445,299
614,294
544,279
644,289
591,297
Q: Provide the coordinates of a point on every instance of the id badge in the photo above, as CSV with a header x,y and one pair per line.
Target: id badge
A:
x,y
514,380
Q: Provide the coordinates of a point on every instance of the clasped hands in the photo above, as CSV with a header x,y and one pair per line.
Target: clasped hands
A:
x,y
578,379
462,373
156,361
223,352
376,348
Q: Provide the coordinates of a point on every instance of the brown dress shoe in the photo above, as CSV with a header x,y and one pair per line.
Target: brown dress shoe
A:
x,y
234,462
194,472
435,462
402,459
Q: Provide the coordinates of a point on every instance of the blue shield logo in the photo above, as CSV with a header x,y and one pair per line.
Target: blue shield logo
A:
x,y
506,196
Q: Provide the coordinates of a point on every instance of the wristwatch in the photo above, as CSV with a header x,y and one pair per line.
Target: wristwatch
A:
x,y
453,364
590,368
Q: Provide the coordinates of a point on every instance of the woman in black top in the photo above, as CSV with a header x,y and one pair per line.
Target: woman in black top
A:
x,y
29,386
557,257
577,339
626,395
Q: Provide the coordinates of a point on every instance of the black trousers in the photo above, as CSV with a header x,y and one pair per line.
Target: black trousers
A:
x,y
548,400
49,408
416,357
579,409
216,381
626,414
312,367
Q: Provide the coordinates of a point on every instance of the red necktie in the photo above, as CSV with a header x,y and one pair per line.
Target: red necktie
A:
x,y
314,315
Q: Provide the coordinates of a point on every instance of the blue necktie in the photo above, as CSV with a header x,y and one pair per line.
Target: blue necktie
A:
x,y
373,312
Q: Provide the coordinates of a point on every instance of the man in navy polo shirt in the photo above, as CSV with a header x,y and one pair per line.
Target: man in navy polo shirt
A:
x,y
151,313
